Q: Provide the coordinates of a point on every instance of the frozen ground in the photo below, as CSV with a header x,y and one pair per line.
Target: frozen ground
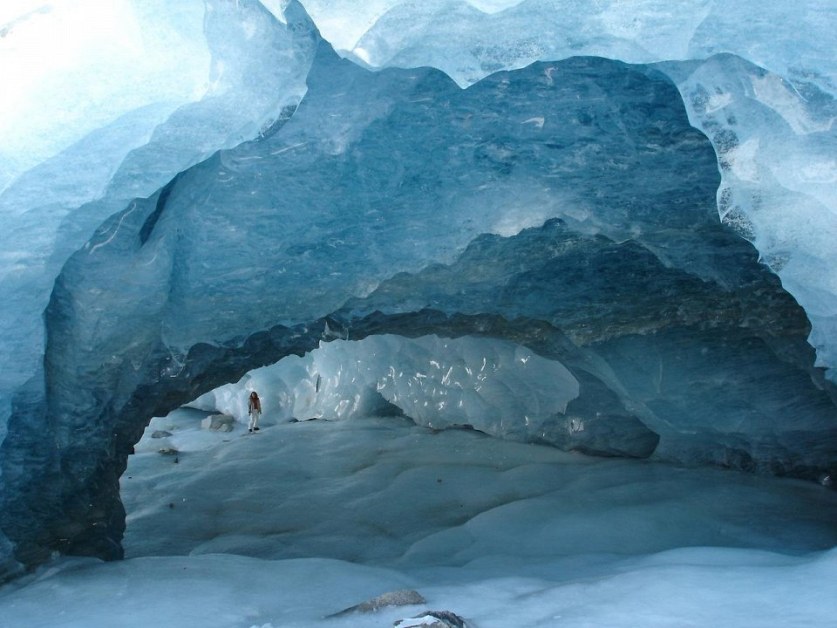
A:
x,y
302,520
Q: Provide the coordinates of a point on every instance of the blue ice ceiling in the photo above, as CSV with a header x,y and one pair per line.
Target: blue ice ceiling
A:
x,y
193,190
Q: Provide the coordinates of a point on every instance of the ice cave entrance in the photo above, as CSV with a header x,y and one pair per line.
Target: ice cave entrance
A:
x,y
492,386
442,506
486,398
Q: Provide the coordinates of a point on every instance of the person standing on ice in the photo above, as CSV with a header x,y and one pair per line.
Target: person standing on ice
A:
x,y
254,407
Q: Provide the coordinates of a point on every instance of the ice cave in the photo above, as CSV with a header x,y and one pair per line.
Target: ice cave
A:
x,y
540,297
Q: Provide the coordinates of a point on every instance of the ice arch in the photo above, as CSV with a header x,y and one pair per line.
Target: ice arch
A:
x,y
494,386
757,78
568,207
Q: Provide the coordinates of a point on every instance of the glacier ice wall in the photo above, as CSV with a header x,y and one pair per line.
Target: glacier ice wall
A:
x,y
768,108
566,207
182,83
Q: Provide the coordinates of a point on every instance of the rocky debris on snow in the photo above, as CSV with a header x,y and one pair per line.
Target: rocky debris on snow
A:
x,y
402,597
432,619
218,423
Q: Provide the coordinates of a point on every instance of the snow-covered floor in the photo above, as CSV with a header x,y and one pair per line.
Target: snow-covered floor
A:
x,y
302,520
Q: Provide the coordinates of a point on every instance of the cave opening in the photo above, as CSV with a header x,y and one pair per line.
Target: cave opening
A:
x,y
435,454
556,223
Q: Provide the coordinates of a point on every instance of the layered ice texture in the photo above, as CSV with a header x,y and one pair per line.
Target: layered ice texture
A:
x,y
758,79
194,190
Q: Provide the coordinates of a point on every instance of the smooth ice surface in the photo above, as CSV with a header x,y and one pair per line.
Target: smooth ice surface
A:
x,y
182,81
302,520
52,54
